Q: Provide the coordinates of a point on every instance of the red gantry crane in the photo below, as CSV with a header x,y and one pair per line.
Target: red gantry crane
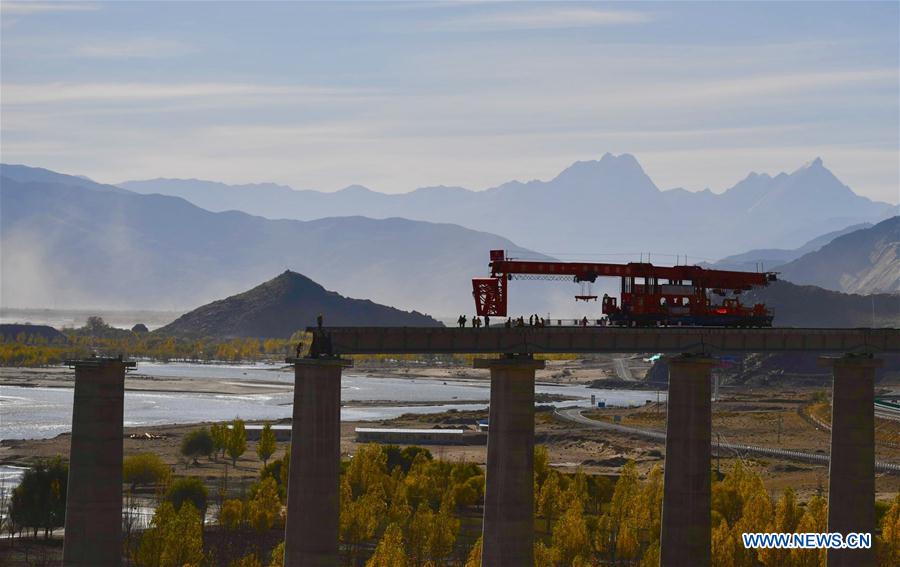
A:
x,y
651,295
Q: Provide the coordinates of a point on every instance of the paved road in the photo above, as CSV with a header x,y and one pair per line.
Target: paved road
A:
x,y
887,412
574,415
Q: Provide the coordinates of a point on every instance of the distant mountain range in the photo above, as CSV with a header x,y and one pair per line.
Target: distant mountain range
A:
x,y
283,305
70,242
606,205
863,261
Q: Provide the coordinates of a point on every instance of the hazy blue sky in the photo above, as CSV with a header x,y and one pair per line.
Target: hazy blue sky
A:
x,y
396,96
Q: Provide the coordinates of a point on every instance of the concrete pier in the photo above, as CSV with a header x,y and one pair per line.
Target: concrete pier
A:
x,y
508,529
93,530
686,537
311,528
851,478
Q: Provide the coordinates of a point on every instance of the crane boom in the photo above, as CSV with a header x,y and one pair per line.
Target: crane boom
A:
x,y
682,295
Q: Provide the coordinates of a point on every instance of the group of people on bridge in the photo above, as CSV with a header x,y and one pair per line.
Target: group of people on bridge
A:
x,y
533,321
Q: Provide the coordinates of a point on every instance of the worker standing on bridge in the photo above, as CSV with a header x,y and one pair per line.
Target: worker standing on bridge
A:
x,y
531,320
319,321
475,320
508,323
487,321
461,321
584,321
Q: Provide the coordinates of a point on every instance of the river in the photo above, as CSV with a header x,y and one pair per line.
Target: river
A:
x,y
36,412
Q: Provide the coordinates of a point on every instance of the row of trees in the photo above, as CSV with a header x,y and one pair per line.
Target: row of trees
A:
x,y
227,439
401,507
96,335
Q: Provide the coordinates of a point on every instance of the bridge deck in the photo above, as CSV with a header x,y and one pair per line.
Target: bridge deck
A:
x,y
521,340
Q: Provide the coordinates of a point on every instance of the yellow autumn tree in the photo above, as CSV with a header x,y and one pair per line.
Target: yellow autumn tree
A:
x,y
616,534
277,559
266,445
250,560
787,516
888,543
444,530
813,520
367,467
231,514
755,517
724,543
417,534
175,539
390,550
543,556
571,540
360,517
549,499
264,509
474,558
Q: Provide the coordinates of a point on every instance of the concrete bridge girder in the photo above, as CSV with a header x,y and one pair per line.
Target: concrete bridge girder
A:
x,y
93,530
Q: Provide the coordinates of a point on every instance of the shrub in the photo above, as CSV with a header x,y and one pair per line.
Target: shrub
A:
x,y
144,468
197,443
190,489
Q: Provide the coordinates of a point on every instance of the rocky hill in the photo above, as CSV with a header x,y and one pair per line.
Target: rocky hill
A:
x,y
863,261
811,306
28,332
285,304
771,258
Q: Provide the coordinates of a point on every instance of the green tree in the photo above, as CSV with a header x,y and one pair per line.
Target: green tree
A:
x,y
237,440
390,551
219,434
265,447
197,443
188,489
143,469
95,325
175,538
403,458
39,502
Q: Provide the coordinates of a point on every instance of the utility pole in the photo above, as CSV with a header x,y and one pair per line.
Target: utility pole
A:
x,y
718,453
779,429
